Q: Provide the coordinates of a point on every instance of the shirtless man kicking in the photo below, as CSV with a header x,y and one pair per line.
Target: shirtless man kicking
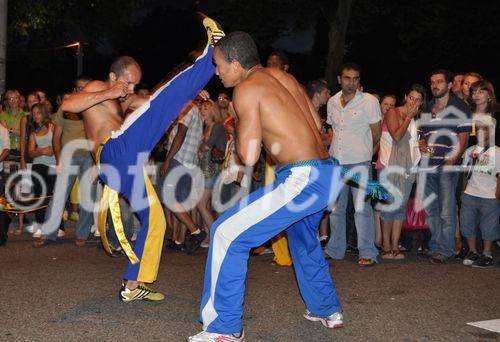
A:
x,y
273,110
120,149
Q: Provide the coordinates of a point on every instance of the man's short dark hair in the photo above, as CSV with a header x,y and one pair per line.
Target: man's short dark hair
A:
x,y
448,76
121,64
281,56
239,46
350,66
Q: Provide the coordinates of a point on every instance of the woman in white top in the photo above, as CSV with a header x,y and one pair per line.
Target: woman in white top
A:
x,y
404,154
40,149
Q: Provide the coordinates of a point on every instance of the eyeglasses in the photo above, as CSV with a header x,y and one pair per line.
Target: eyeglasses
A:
x,y
222,98
13,98
416,99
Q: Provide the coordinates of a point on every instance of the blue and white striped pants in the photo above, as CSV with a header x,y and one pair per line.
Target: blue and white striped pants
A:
x,y
296,202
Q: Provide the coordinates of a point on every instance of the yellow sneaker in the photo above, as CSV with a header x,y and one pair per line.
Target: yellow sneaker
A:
x,y
214,30
65,215
141,292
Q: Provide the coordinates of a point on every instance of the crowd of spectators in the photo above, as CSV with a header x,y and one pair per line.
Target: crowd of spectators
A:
x,y
435,149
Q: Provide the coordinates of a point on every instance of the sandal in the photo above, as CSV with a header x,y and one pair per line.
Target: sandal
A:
x,y
40,242
366,262
386,255
398,255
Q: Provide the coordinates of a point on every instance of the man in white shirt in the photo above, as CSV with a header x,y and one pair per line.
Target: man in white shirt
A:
x,y
356,122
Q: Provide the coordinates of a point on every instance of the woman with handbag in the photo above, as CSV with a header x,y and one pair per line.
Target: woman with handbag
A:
x,y
404,155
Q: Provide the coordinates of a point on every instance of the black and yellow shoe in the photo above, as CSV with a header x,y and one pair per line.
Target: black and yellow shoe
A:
x,y
214,30
141,292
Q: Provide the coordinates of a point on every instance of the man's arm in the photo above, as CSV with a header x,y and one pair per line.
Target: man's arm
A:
x,y
376,129
249,128
463,139
95,92
4,154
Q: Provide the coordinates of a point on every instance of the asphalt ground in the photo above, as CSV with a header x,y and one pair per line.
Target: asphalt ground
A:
x,y
65,293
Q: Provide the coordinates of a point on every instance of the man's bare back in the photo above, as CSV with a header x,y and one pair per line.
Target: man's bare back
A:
x,y
273,105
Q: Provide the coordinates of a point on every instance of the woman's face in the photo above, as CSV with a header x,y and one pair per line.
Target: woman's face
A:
x,y
37,115
32,100
480,96
414,98
387,103
467,83
13,100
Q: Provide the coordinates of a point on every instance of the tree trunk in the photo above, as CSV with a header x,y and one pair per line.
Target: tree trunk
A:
x,y
3,43
338,21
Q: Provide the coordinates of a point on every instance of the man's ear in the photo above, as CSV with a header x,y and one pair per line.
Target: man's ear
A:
x,y
285,67
112,77
235,65
338,79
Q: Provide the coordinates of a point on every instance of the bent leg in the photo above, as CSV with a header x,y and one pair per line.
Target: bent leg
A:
x,y
253,221
152,119
313,276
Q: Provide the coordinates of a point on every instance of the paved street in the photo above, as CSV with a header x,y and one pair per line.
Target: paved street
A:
x,y
64,293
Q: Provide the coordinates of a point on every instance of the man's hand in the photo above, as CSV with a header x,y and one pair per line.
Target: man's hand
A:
x,y
204,95
119,89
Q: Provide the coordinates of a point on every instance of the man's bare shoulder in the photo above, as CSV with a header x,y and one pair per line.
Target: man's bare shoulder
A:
x,y
96,85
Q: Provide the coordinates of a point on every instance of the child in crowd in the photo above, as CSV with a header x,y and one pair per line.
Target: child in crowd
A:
x,y
481,198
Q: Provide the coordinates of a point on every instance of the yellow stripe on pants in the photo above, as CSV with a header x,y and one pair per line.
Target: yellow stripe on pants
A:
x,y
153,245
279,242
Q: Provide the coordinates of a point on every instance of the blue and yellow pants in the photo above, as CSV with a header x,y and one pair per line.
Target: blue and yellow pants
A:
x,y
295,202
121,161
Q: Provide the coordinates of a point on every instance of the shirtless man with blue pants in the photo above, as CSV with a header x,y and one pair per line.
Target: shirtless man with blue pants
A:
x,y
273,111
120,149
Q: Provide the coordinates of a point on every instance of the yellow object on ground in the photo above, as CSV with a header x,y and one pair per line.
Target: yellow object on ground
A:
x,y
280,242
74,197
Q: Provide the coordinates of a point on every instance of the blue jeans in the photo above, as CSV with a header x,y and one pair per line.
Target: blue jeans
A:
x,y
442,212
363,217
56,207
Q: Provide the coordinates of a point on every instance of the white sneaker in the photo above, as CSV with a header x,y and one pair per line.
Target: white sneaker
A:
x,y
334,321
205,244
134,237
214,337
61,233
30,229
97,234
38,233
